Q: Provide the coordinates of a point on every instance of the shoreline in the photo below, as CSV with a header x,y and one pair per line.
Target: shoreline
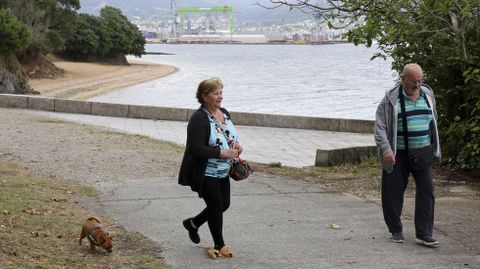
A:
x,y
208,42
83,80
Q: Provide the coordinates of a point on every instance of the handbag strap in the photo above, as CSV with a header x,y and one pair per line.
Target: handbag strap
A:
x,y
404,118
219,125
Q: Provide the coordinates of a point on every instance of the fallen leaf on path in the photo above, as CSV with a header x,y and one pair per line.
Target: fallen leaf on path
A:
x,y
334,226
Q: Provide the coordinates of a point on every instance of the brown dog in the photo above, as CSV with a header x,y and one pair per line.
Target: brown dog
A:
x,y
96,234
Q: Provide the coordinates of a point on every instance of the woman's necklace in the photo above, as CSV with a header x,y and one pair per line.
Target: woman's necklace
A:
x,y
218,115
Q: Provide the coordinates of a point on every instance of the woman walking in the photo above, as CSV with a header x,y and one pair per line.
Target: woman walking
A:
x,y
212,143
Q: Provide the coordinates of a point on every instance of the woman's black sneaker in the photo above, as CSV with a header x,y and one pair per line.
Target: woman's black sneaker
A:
x,y
192,232
427,240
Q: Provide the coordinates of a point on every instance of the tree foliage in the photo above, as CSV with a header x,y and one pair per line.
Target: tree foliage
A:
x,y
4,3
109,36
443,36
31,28
50,21
14,35
84,42
126,38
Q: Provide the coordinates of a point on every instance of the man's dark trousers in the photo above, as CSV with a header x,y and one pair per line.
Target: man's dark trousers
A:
x,y
393,189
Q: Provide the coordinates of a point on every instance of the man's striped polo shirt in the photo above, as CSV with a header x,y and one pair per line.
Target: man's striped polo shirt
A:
x,y
419,116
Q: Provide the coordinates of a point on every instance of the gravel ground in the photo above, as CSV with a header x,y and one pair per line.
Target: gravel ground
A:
x,y
52,148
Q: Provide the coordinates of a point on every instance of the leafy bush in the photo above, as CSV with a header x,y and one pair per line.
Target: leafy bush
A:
x,y
109,36
50,22
14,35
84,42
125,36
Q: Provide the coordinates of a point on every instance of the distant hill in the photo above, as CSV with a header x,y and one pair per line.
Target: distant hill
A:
x,y
245,10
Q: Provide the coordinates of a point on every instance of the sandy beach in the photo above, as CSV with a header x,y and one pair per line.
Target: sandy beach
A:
x,y
85,80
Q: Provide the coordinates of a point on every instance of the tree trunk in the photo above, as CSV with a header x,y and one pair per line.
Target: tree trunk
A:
x,y
36,65
13,79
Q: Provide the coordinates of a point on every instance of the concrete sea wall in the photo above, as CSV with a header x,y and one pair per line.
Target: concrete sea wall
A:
x,y
323,157
182,114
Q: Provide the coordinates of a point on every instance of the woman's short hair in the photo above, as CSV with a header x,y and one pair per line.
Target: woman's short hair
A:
x,y
207,86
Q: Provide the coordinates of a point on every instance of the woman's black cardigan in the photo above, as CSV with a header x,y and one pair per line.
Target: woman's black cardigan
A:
x,y
197,151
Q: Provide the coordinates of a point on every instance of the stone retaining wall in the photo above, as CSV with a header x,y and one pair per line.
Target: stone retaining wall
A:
x,y
345,155
182,114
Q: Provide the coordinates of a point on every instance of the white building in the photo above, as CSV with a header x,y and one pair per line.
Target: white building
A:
x,y
215,38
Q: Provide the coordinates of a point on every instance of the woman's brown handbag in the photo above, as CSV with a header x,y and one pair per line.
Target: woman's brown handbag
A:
x,y
240,169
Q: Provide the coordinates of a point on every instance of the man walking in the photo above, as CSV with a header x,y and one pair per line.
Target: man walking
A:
x,y
407,138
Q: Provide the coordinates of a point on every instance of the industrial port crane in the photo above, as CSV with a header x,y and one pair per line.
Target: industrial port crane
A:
x,y
174,12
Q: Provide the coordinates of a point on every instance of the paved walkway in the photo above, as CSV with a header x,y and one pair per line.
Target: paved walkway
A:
x,y
273,222
290,147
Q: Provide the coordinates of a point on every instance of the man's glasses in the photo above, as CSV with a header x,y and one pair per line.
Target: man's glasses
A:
x,y
415,82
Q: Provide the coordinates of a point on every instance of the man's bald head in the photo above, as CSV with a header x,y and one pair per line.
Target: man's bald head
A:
x,y
412,69
412,79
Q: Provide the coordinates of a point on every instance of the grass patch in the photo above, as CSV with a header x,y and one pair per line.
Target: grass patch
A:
x,y
364,179
166,145
275,164
40,225
361,179
112,134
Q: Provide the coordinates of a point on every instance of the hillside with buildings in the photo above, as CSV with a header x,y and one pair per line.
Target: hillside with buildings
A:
x,y
246,11
214,21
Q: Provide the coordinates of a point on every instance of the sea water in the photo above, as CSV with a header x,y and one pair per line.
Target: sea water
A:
x,y
335,80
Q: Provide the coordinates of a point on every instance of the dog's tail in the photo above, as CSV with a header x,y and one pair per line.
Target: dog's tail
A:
x,y
94,218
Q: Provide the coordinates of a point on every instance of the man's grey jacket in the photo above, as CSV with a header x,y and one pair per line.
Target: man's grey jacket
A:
x,y
385,131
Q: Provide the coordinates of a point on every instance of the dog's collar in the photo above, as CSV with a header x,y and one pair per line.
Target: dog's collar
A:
x,y
90,236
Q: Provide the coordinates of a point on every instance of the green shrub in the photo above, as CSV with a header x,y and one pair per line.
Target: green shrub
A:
x,y
14,35
106,37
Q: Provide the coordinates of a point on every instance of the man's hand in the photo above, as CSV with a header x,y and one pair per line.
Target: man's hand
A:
x,y
389,158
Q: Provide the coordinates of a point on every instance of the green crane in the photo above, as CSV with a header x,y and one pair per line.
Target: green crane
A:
x,y
225,9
